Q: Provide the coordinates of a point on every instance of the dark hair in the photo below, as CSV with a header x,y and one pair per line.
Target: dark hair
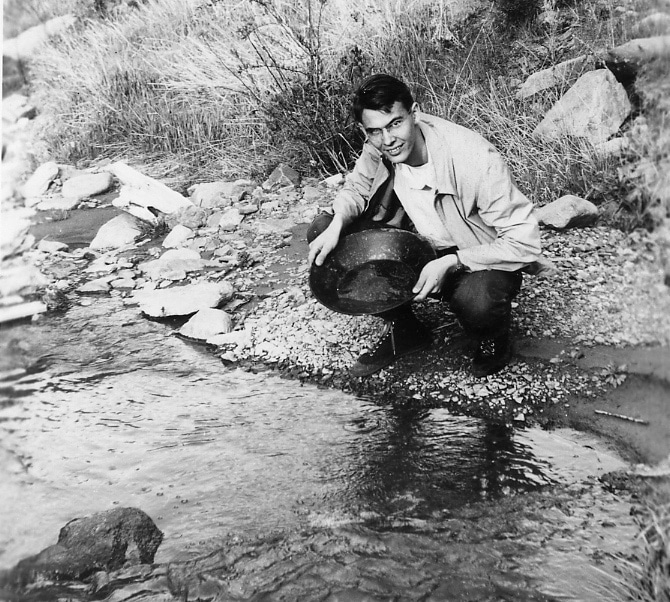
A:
x,y
380,92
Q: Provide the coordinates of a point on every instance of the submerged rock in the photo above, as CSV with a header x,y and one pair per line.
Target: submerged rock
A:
x,y
206,324
183,300
104,541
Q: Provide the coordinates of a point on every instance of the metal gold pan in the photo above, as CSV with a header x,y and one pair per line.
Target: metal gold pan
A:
x,y
370,271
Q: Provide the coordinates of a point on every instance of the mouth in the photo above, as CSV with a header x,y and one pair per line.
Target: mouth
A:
x,y
394,151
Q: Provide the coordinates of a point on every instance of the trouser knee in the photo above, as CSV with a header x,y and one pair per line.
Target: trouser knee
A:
x,y
482,301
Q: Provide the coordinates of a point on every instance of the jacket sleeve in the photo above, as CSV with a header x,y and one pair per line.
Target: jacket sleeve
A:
x,y
502,206
352,200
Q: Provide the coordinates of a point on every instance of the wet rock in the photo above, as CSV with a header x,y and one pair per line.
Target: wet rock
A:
x,y
51,246
178,237
183,300
118,232
283,176
550,77
207,323
594,108
38,183
230,220
104,541
274,226
569,211
173,265
87,185
238,338
58,203
27,43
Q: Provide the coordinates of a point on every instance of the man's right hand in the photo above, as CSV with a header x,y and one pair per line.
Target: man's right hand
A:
x,y
325,242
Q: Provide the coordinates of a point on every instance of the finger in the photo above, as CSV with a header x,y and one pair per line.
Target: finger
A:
x,y
321,257
420,283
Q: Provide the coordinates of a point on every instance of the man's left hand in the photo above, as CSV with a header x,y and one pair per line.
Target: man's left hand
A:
x,y
433,276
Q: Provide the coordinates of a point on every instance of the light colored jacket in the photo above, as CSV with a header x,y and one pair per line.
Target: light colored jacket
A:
x,y
484,213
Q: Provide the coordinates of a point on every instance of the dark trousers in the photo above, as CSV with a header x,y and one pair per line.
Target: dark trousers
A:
x,y
481,301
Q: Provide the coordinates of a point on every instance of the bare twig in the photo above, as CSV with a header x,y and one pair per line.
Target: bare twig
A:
x,y
621,417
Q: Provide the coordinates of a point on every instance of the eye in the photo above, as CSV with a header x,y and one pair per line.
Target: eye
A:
x,y
396,123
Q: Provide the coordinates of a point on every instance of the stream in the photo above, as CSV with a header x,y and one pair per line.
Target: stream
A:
x,y
339,497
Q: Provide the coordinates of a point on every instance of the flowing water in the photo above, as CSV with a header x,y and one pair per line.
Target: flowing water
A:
x,y
102,408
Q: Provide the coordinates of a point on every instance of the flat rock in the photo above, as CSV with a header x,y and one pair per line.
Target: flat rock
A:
x,y
238,338
274,226
594,108
96,286
183,300
58,203
87,185
173,265
118,232
38,183
207,323
213,195
569,211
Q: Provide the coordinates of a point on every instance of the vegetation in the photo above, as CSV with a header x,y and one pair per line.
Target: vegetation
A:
x,y
212,88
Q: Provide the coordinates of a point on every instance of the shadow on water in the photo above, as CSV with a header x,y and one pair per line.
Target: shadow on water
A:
x,y
117,412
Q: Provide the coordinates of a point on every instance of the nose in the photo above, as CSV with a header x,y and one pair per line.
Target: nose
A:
x,y
387,137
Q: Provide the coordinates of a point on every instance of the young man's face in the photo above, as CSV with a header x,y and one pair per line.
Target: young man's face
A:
x,y
395,133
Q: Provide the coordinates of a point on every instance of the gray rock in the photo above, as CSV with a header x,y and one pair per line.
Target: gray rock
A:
x,y
594,108
192,217
118,232
58,203
238,338
214,220
652,25
569,211
274,226
613,147
311,194
207,323
173,265
15,107
211,195
93,287
38,183
230,220
105,541
81,187
247,208
178,237
183,300
27,43
20,279
281,177
550,77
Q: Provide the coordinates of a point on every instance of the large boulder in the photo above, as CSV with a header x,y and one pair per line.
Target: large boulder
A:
x,y
118,232
105,541
183,300
594,108
627,59
569,211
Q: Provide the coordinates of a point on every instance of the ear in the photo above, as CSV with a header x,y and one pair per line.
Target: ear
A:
x,y
414,111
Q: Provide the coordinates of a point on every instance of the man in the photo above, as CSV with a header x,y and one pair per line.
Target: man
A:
x,y
455,190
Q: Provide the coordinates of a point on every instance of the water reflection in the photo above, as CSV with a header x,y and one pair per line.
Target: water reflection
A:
x,y
423,462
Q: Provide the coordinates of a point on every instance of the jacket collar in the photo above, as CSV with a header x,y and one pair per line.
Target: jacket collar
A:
x,y
441,154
